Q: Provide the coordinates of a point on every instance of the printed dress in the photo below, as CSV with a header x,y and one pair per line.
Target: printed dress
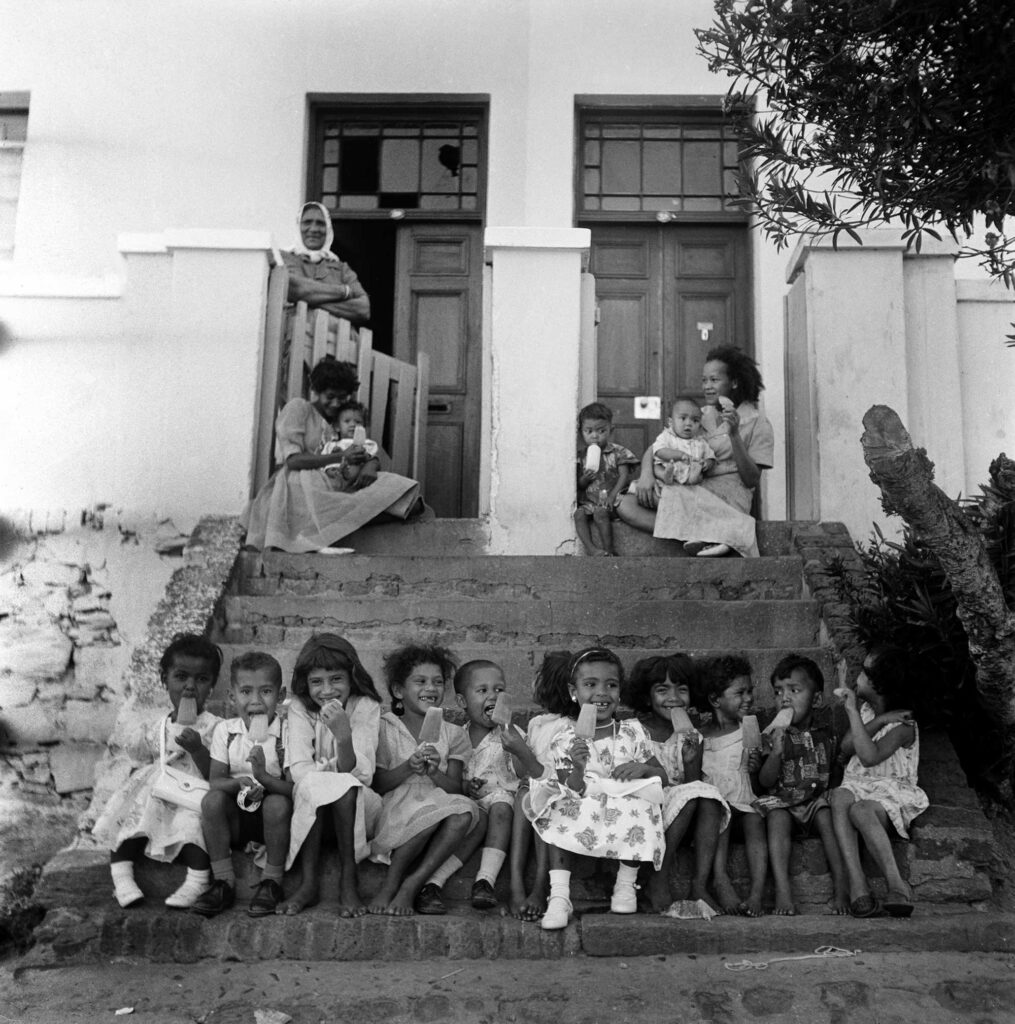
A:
x,y
721,762
311,755
892,783
678,793
418,803
615,820
132,811
492,763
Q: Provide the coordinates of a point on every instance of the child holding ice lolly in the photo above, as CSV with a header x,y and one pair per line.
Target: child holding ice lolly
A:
x,y
350,426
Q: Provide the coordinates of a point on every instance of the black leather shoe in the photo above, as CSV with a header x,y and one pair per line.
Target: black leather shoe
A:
x,y
483,896
220,896
267,896
428,900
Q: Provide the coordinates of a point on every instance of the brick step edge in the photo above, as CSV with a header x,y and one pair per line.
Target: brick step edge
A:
x,y
67,938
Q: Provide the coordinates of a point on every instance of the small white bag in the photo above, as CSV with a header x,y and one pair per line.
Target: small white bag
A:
x,y
174,786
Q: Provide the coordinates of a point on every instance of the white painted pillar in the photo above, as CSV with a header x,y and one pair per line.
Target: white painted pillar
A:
x,y
534,358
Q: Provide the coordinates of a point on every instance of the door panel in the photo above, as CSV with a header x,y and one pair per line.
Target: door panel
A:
x,y
666,295
437,311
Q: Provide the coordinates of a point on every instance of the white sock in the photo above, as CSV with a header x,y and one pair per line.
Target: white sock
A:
x,y
627,874
193,885
444,872
490,864
560,884
125,889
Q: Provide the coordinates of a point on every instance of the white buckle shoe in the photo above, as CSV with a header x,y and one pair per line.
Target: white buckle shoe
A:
x,y
558,913
624,899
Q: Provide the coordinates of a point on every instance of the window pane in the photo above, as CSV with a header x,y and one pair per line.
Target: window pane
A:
x,y
358,165
331,151
329,180
662,131
361,129
621,167
441,160
621,203
701,168
662,169
591,182
470,179
13,125
703,204
468,202
470,151
348,202
591,203
667,203
330,201
592,154
399,165
431,202
701,132
621,131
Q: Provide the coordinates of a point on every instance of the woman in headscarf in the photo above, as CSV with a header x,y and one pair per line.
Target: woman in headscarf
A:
x,y
317,276
331,753
299,509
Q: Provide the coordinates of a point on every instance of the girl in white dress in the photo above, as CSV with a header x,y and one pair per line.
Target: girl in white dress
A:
x,y
331,753
425,817
727,690
606,799
658,686
134,823
879,790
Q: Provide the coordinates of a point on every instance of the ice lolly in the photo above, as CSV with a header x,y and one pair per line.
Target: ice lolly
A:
x,y
258,728
186,712
681,720
783,719
724,403
359,435
750,732
585,727
593,456
842,692
501,714
430,730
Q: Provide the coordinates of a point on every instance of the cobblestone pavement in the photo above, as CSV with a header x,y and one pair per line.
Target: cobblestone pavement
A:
x,y
894,988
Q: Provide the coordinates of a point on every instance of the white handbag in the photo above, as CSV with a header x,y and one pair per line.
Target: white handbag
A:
x,y
174,786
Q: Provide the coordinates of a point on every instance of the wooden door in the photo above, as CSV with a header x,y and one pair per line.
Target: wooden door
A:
x,y
438,309
667,293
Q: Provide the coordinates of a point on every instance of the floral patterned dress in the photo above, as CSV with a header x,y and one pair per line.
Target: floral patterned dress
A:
x,y
614,820
132,811
892,783
678,793
418,803
311,752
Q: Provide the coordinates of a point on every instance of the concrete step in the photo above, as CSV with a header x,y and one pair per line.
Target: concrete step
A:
x,y
678,625
542,578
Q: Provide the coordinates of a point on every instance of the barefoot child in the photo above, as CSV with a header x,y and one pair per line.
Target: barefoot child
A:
x,y
135,823
728,692
600,485
425,817
331,751
607,798
879,790
490,775
249,800
656,687
794,776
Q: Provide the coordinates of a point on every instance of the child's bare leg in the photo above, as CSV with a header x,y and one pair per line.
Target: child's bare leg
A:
x,y
706,839
535,902
383,902
307,892
344,812
756,848
219,822
446,840
780,846
840,889
659,893
601,518
871,821
849,843
584,531
729,901
521,833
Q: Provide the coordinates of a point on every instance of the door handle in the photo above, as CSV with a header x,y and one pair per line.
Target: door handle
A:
x,y
438,407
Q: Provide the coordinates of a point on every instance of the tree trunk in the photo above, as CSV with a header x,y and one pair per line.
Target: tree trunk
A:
x,y
906,478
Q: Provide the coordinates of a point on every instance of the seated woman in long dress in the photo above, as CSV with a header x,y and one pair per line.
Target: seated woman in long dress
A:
x,y
317,276
713,517
302,509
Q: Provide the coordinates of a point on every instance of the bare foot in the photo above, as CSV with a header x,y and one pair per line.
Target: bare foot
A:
x,y
305,896
729,901
751,907
529,908
659,892
600,553
349,902
784,907
840,904
700,892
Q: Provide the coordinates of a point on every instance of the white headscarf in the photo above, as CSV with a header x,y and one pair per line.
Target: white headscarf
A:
x,y
315,255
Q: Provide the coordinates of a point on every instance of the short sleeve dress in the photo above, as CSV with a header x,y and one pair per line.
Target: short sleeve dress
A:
x,y
678,793
418,803
311,752
132,811
491,763
302,510
612,458
721,766
613,820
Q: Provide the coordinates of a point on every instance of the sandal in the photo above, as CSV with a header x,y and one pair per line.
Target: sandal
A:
x,y
864,906
898,904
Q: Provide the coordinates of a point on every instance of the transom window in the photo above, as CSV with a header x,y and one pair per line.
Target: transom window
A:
x,y
655,163
373,160
13,133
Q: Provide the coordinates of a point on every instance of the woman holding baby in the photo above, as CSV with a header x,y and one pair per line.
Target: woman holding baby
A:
x,y
713,518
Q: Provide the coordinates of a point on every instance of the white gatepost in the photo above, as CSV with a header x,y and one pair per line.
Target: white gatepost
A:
x,y
535,370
